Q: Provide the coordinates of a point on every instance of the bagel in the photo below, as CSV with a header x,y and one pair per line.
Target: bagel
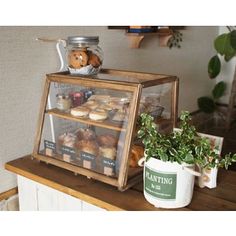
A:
x,y
80,111
98,115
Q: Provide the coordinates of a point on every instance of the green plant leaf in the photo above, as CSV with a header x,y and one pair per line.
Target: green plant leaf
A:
x,y
233,39
214,67
206,104
229,50
219,90
221,43
228,57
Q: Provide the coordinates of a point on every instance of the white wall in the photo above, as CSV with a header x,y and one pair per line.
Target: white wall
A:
x,y
24,62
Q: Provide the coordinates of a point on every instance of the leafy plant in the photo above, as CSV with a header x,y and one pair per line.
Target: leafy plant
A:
x,y
185,146
175,40
225,45
208,104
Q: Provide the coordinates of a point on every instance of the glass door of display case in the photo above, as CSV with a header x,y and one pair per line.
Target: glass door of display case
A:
x,y
92,128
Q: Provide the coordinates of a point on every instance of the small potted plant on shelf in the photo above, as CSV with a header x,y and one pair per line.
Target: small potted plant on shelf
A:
x,y
170,161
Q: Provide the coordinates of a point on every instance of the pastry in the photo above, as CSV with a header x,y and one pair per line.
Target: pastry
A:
x,y
78,58
60,139
91,104
137,153
119,115
108,152
88,146
98,115
85,134
93,60
116,105
67,139
121,100
98,97
107,140
105,107
80,111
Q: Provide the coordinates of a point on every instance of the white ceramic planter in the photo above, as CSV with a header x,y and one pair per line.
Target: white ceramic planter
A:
x,y
168,185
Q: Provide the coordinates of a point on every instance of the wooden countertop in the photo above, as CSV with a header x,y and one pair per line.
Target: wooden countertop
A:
x,y
108,197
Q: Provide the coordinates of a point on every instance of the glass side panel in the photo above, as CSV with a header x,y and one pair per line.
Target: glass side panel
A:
x,y
138,78
129,77
86,127
156,101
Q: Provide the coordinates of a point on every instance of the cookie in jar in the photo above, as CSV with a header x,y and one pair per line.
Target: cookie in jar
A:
x,y
84,55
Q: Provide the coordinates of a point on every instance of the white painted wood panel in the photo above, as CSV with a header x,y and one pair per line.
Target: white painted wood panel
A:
x,y
27,189
68,203
47,198
34,196
89,207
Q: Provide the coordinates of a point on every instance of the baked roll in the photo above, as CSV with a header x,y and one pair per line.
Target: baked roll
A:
x,y
107,140
137,152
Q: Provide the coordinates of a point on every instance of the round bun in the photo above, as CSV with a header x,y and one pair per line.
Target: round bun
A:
x,y
137,153
108,152
105,107
98,115
116,105
80,111
91,104
88,146
107,140
85,134
67,139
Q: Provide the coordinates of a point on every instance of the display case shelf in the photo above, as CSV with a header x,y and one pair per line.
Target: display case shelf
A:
x,y
117,126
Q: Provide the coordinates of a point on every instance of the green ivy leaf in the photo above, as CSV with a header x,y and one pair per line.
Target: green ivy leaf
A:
x,y
233,39
219,90
214,67
206,104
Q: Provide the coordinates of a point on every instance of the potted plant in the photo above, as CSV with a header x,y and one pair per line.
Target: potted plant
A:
x,y
170,160
225,46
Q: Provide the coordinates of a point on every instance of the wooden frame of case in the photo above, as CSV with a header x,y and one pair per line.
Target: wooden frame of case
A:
x,y
143,80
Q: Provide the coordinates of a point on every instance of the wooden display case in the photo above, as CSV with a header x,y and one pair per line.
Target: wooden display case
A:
x,y
101,150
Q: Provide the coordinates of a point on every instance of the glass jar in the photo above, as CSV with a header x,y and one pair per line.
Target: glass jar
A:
x,y
63,102
84,55
77,98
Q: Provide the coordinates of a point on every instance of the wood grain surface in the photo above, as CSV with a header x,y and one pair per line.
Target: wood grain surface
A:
x,y
222,198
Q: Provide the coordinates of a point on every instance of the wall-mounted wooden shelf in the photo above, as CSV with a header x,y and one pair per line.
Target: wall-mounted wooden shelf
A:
x,y
136,38
136,34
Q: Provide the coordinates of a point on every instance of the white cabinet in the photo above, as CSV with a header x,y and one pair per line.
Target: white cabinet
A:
x,y
34,196
89,207
28,199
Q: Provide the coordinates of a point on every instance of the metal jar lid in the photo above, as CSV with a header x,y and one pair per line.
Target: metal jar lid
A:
x,y
83,40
